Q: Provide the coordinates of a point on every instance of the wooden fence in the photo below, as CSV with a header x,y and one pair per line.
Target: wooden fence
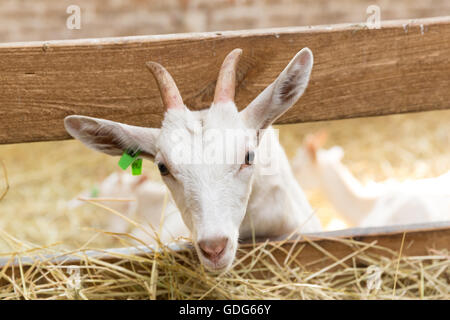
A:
x,y
402,67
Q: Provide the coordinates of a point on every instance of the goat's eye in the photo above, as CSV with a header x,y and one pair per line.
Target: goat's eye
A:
x,y
163,169
249,157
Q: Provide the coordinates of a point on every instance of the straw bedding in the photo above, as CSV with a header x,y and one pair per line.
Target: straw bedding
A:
x,y
256,275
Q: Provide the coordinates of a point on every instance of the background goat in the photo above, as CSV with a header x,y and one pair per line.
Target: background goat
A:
x,y
376,204
150,205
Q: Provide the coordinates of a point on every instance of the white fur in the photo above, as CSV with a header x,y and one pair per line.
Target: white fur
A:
x,y
377,204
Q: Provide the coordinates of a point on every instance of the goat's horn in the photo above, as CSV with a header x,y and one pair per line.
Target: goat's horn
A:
x,y
169,92
226,82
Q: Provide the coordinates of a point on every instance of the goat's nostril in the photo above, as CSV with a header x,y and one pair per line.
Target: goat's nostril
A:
x,y
213,249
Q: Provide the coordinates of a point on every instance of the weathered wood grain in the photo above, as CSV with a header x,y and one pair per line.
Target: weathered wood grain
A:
x,y
419,240
46,19
402,67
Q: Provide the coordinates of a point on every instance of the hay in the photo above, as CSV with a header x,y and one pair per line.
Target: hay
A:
x,y
256,274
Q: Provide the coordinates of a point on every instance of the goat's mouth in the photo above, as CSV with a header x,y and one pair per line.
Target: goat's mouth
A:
x,y
221,263
216,266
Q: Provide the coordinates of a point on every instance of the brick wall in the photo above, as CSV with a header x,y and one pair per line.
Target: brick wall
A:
x,y
28,20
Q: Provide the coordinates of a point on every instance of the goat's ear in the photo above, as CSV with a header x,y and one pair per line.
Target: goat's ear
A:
x,y
112,137
281,94
311,147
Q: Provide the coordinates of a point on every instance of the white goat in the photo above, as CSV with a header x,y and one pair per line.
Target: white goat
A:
x,y
377,204
150,199
219,202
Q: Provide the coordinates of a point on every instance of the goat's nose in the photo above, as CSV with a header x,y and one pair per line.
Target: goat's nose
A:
x,y
213,249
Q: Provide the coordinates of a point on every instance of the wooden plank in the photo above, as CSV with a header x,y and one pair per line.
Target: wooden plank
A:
x,y
402,67
419,239
46,19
